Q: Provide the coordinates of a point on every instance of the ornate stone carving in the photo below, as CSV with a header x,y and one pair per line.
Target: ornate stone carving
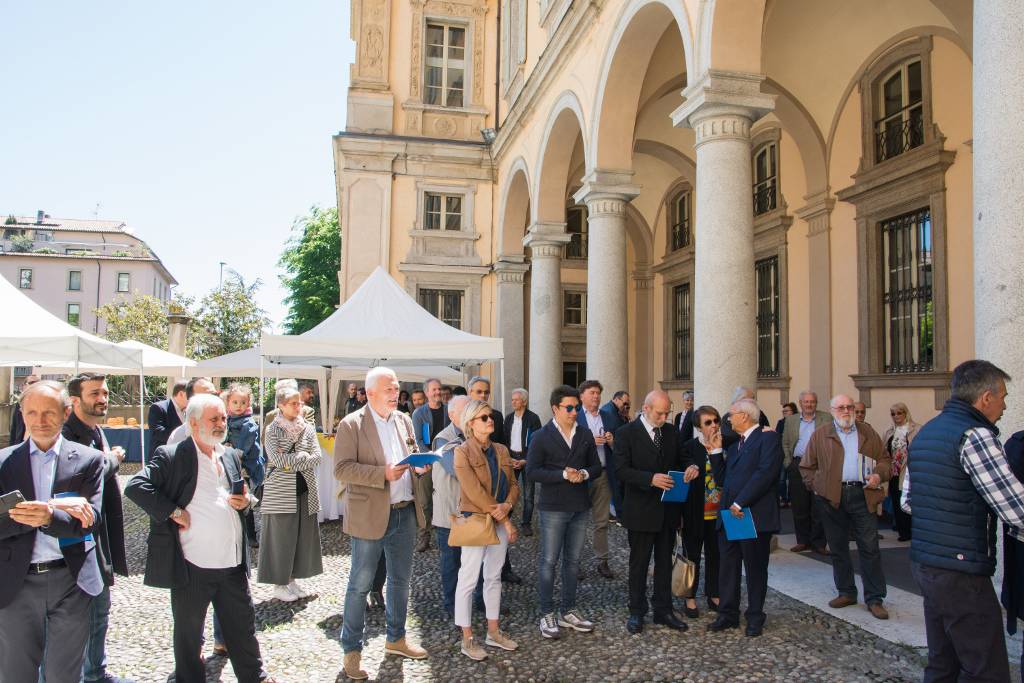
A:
x,y
373,46
546,249
415,73
606,206
371,27
412,123
729,126
475,10
445,127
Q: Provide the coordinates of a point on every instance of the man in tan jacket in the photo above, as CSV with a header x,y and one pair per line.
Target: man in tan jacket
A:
x,y
844,465
382,515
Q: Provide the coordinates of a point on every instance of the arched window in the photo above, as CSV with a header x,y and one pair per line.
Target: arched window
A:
x,y
899,114
679,216
766,172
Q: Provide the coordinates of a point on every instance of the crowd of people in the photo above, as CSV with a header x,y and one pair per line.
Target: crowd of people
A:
x,y
213,468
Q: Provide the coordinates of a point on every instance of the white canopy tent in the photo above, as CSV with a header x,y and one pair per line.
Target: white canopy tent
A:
x,y
155,362
380,324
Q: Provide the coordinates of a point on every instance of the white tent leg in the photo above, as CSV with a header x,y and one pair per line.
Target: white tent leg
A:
x,y
501,372
261,392
142,420
324,387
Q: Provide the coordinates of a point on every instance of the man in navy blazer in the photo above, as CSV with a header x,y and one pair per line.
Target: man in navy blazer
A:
x,y
611,415
601,425
748,472
48,568
165,417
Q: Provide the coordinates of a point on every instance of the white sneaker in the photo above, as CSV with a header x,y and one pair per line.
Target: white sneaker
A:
x,y
283,594
574,621
297,590
549,626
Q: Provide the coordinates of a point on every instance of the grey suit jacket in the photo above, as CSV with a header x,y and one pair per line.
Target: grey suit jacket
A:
x,y
791,433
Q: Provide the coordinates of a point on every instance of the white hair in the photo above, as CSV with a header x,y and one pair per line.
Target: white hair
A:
x,y
288,382
479,378
283,394
522,392
748,406
807,392
198,404
741,392
376,374
457,404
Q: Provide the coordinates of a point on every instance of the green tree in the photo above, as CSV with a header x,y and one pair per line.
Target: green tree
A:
x,y
228,318
311,261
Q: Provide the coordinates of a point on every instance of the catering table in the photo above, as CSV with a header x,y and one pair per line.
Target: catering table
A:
x,y
326,484
128,439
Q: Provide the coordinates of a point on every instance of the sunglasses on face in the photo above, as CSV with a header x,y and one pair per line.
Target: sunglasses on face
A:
x,y
570,408
895,414
712,421
486,417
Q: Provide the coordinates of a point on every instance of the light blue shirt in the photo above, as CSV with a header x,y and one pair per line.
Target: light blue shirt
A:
x,y
44,471
806,430
851,454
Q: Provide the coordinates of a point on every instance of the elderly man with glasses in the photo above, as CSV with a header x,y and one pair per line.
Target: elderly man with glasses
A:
x,y
844,466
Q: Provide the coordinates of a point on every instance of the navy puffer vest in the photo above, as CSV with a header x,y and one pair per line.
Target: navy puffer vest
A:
x,y
953,526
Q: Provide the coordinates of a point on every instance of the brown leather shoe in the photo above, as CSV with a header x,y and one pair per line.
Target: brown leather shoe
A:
x,y
841,601
877,611
350,665
403,648
604,570
800,548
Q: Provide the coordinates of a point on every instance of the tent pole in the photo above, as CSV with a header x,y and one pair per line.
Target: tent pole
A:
x,y
142,420
504,391
261,391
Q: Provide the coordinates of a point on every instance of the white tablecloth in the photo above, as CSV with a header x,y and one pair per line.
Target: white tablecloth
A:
x,y
327,485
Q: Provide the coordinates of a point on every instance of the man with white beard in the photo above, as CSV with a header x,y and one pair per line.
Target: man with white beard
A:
x,y
196,500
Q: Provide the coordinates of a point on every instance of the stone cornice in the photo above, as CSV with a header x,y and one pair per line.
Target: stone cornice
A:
x,y
606,192
546,239
723,100
513,272
817,213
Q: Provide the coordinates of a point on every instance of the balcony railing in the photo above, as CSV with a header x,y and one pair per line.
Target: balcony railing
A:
x,y
764,198
893,138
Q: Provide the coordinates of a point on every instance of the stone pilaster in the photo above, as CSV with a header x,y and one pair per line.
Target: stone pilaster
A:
x,y
606,194
643,302
721,107
370,102
998,186
511,273
546,242
816,214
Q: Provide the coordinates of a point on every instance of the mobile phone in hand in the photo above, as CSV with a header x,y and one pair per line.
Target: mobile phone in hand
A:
x,y
9,500
237,487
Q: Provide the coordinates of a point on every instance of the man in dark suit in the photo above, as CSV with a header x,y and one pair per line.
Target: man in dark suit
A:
x,y
201,561
49,573
562,458
684,418
520,425
612,415
747,472
646,449
166,416
89,396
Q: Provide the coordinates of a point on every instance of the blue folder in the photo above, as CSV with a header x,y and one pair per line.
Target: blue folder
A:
x,y
738,529
71,540
679,492
421,459
426,434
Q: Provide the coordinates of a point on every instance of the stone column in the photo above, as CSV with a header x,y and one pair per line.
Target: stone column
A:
x,y
720,107
819,299
606,194
643,380
998,185
511,271
546,242
177,329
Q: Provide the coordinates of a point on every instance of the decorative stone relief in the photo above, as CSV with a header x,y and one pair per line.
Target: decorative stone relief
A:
x,y
371,28
445,127
722,127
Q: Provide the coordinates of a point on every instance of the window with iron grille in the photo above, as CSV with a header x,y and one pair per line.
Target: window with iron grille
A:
x,y
25,278
682,349
907,295
443,304
444,79
74,314
573,373
442,211
767,271
576,227
679,215
765,179
899,118
574,307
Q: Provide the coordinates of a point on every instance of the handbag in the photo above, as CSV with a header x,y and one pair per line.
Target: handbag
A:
x,y
477,528
684,572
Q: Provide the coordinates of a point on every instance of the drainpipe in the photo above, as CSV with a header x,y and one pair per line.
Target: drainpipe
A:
x,y
96,318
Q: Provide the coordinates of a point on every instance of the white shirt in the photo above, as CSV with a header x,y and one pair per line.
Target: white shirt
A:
x,y
179,434
516,436
44,471
387,431
648,426
597,428
213,539
572,433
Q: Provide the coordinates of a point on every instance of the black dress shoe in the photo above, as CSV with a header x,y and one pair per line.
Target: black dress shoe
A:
x,y
712,606
722,624
691,612
635,624
374,600
511,577
672,621
527,530
754,631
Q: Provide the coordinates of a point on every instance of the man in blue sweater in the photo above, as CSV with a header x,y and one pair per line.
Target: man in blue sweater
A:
x,y
562,459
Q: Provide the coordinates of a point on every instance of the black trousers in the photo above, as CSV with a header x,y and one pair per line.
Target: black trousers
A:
x,y
642,544
752,556
695,538
902,519
964,625
809,530
228,590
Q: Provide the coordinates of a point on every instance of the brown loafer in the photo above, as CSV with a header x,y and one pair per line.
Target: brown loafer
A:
x,y
820,549
351,666
799,548
220,650
877,611
841,601
404,648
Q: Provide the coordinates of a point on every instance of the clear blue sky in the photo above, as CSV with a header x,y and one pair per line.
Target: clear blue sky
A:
x,y
205,125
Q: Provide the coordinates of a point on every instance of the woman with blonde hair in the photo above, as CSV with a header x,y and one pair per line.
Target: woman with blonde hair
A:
x,y
487,485
897,441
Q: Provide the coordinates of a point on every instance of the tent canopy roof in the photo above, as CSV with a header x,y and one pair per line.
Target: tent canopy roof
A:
x,y
381,324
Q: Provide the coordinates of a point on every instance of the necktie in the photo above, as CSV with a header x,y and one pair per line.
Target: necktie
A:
x,y
657,438
742,439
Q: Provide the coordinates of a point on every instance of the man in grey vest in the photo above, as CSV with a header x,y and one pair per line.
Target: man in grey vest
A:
x,y
961,482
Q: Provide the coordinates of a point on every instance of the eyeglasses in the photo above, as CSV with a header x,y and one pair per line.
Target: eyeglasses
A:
x,y
898,412
571,408
713,421
486,417
844,408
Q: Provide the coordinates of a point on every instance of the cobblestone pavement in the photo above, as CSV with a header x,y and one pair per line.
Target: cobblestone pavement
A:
x,y
300,640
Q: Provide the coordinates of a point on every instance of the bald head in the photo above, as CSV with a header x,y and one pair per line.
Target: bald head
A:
x,y
656,407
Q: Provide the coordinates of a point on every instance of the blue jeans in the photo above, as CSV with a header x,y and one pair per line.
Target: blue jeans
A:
x,y
450,561
397,544
527,488
561,533
218,637
94,666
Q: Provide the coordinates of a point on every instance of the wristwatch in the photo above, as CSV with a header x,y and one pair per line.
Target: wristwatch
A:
x,y
177,513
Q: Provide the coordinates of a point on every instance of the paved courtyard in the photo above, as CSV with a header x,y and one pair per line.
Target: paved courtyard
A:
x,y
300,640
